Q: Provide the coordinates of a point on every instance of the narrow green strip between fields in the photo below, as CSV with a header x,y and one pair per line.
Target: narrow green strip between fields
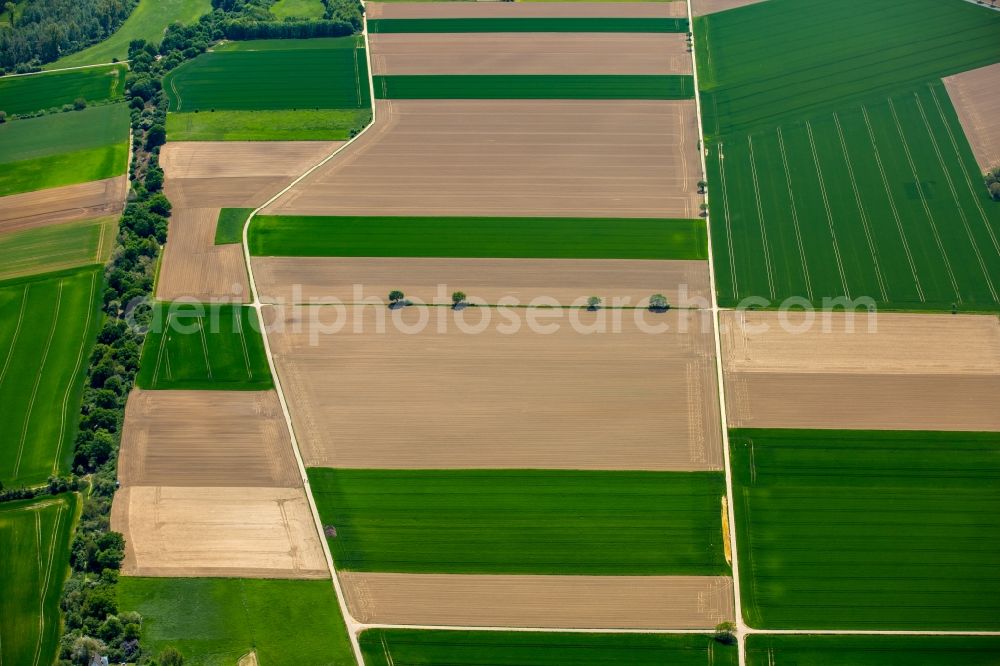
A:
x,y
529,25
81,166
36,92
479,237
763,650
229,228
273,125
534,86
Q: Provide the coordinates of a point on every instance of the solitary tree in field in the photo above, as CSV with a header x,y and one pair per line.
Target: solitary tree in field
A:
x,y
79,104
396,297
701,186
658,303
457,298
593,302
704,208
171,657
725,633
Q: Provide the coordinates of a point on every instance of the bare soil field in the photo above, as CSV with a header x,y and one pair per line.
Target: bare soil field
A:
x,y
976,97
62,204
206,438
561,602
529,53
311,279
703,7
433,10
576,158
229,532
561,400
916,372
194,266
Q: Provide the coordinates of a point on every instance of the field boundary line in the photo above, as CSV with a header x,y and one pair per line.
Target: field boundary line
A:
x,y
892,205
76,370
829,213
760,216
795,215
68,69
861,208
17,332
204,347
927,210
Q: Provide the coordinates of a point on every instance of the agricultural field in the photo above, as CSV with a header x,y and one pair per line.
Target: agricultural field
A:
x,y
207,347
525,521
539,24
385,647
537,86
215,621
866,530
34,538
57,247
37,92
525,10
83,201
872,650
846,172
47,326
977,102
270,125
299,9
147,21
229,227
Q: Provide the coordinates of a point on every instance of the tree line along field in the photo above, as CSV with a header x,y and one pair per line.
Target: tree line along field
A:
x,y
34,540
48,325
485,237
867,530
386,647
210,347
845,171
57,247
36,92
568,24
63,148
763,650
215,621
534,86
523,521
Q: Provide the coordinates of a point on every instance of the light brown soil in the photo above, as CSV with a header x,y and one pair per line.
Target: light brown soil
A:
x,y
62,204
976,97
917,372
206,438
231,532
530,53
562,602
703,7
309,279
602,158
377,10
564,400
194,266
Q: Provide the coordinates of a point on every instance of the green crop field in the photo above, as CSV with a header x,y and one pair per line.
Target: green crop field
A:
x,y
57,133
260,77
56,247
842,169
868,530
523,521
302,125
534,86
529,25
48,325
34,540
34,92
209,347
81,166
313,44
309,9
873,650
215,621
229,228
389,647
496,237
147,21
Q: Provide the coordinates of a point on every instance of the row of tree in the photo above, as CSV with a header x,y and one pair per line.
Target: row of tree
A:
x,y
657,302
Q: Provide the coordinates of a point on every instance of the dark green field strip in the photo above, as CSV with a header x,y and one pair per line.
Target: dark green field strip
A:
x,y
523,522
314,44
229,228
215,621
207,347
534,86
48,325
389,647
868,530
273,125
26,94
333,78
478,237
529,25
80,166
34,540
763,650
58,133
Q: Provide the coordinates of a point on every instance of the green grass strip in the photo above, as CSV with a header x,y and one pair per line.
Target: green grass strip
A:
x,y
764,650
523,521
485,237
229,228
81,166
534,86
529,25
274,125
35,92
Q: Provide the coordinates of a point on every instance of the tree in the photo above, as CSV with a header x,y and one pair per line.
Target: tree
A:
x,y
457,298
156,136
171,657
704,208
701,186
995,191
79,104
658,303
593,302
395,297
3,117
85,649
9,7
725,633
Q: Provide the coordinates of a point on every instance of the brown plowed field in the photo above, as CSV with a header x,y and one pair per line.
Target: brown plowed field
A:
x,y
916,372
702,7
601,158
62,204
377,10
529,53
976,97
559,602
194,266
562,400
310,279
231,532
206,438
